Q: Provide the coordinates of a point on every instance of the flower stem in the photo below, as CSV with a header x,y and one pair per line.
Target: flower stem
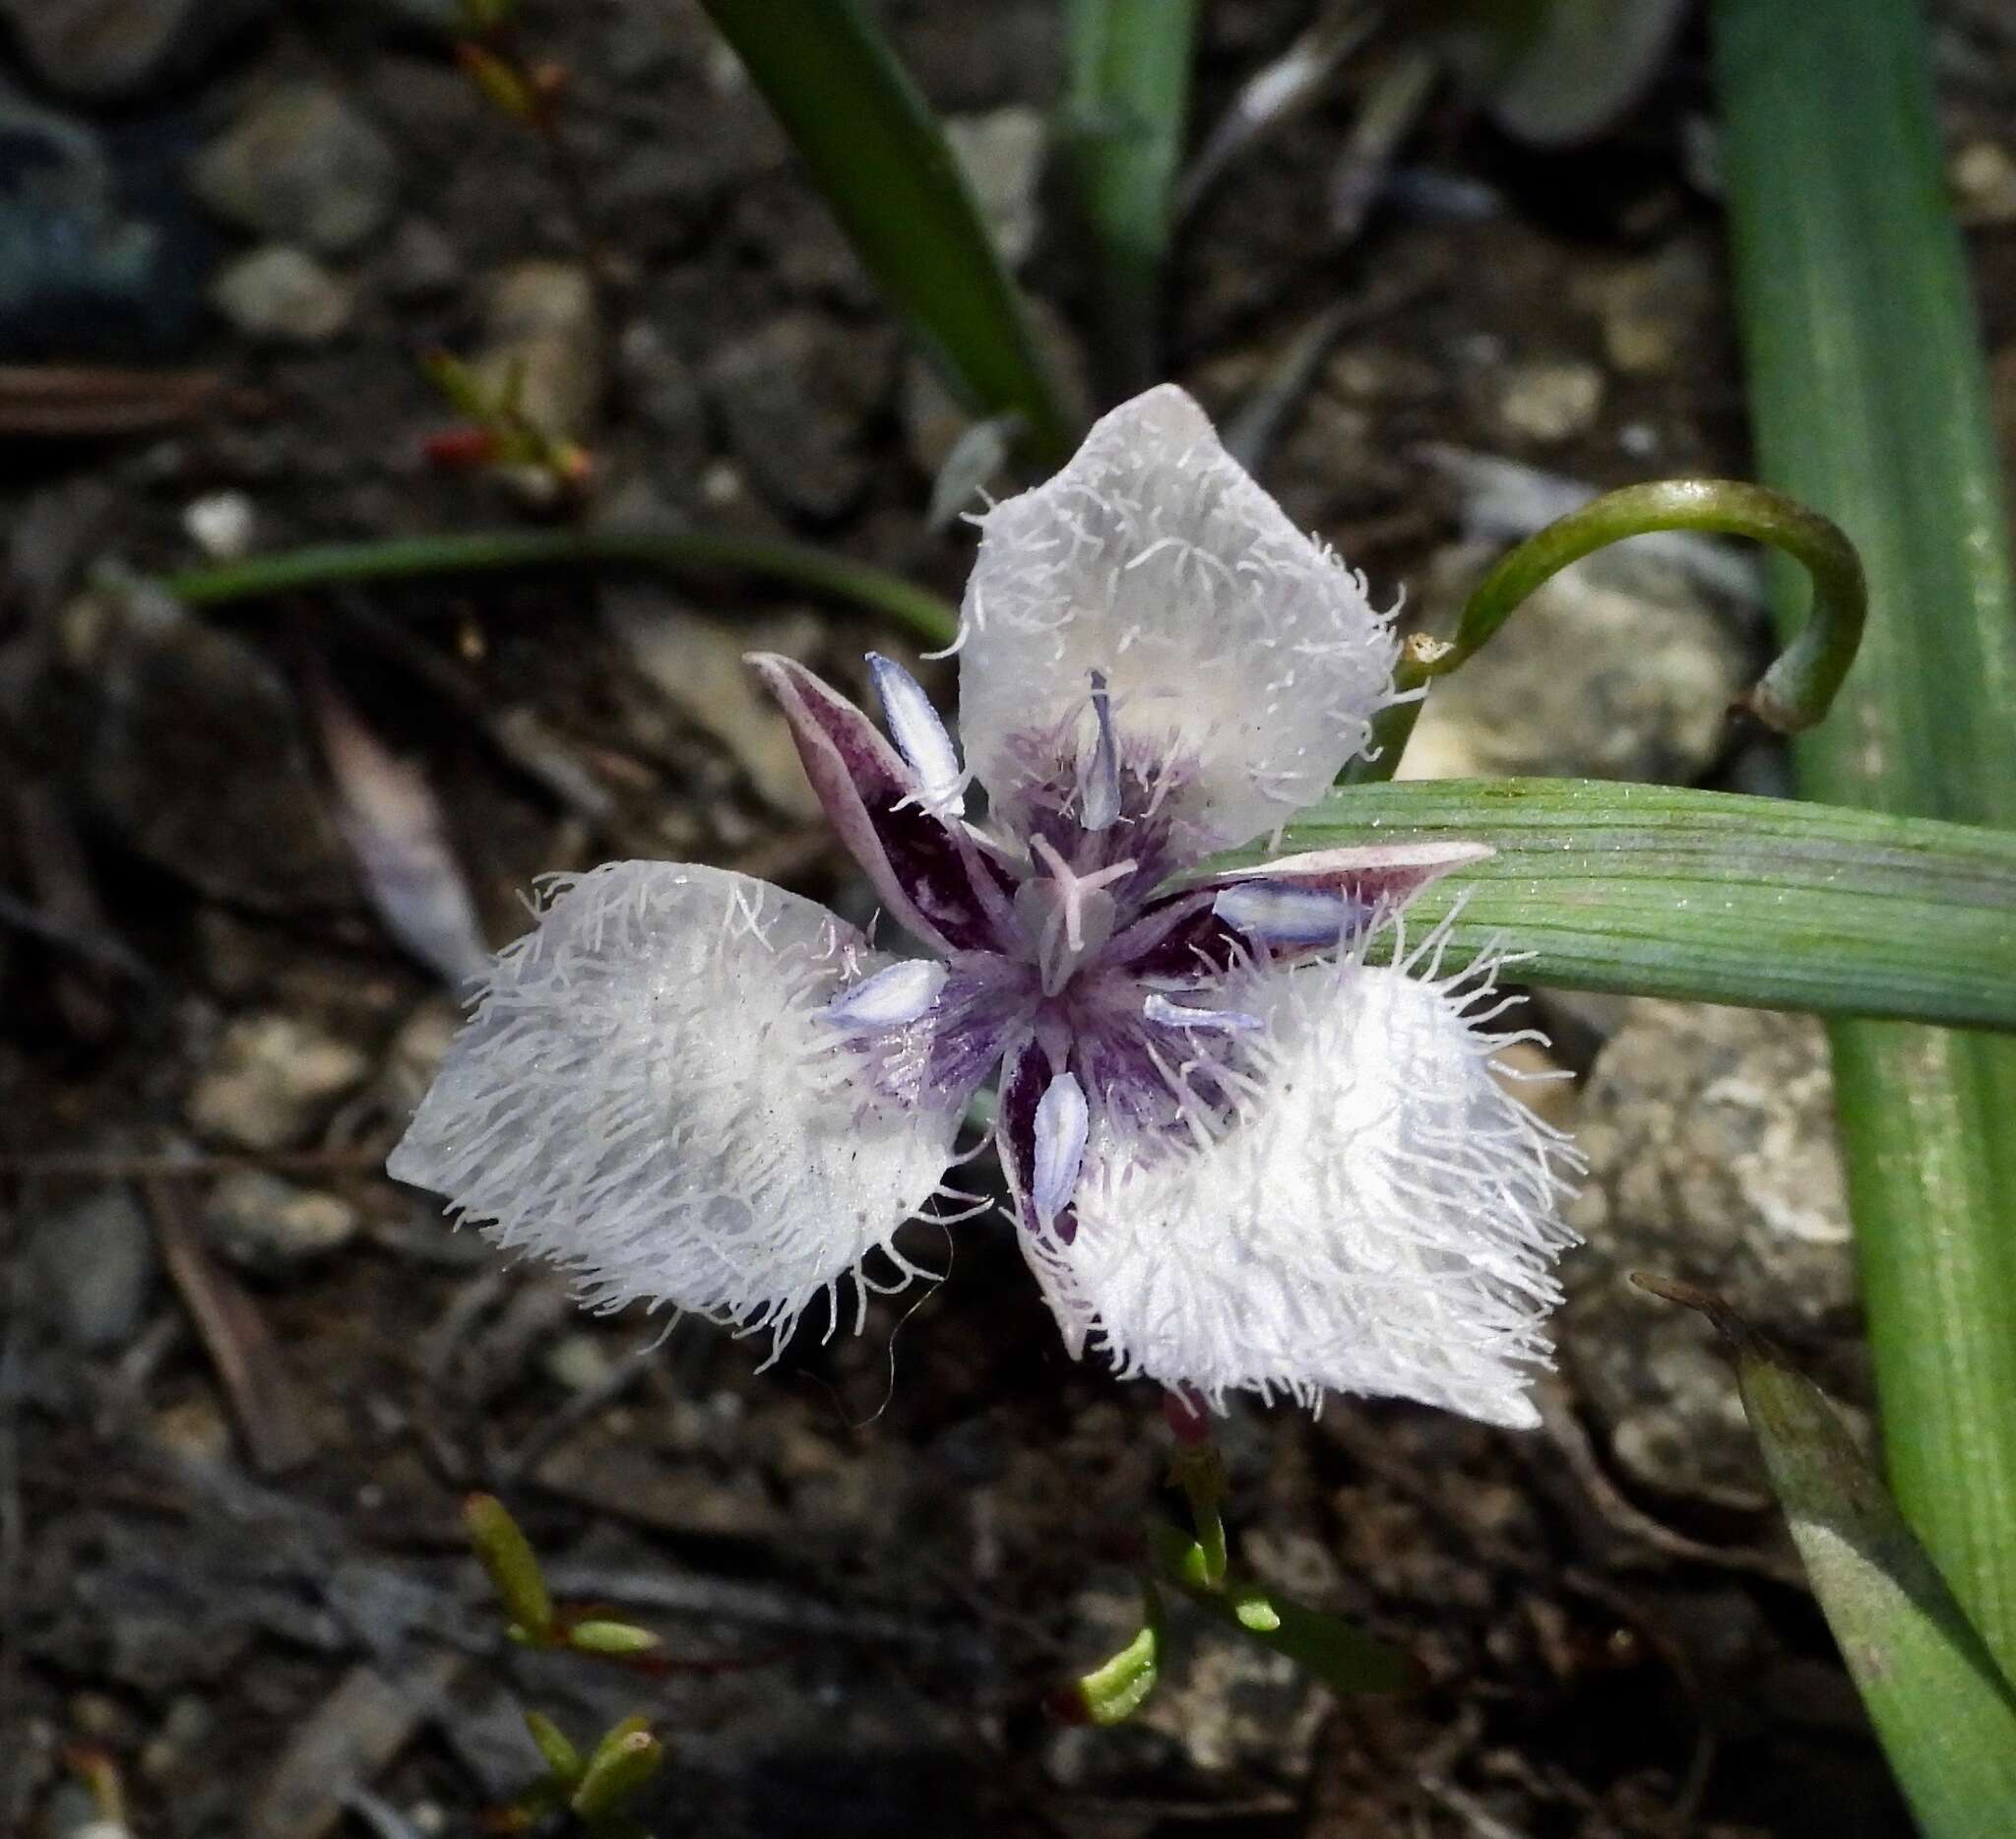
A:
x,y
679,552
1794,692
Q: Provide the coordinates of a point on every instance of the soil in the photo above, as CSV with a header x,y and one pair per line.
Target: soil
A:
x,y
230,1484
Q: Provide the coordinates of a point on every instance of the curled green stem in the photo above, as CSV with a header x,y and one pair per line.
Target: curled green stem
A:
x,y
1794,692
677,552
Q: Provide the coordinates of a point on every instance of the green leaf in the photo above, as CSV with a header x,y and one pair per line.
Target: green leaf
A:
x,y
882,162
1870,403
1946,1712
1128,101
680,553
1344,1659
1707,895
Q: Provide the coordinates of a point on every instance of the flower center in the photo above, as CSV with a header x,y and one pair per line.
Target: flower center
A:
x,y
1065,916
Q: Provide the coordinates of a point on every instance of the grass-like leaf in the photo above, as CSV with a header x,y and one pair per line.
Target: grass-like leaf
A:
x,y
1869,403
1945,1710
882,162
1128,101
1707,895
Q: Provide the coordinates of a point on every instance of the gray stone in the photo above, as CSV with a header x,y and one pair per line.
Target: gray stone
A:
x,y
90,1267
1713,1157
283,296
103,50
696,665
184,741
272,1225
1649,309
271,1080
421,261
797,398
90,270
1003,155
1547,400
663,391
542,342
1606,670
301,164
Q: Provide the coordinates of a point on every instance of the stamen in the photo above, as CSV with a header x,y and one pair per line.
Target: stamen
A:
x,y
1098,799
1280,915
1159,1009
920,735
1063,1121
891,997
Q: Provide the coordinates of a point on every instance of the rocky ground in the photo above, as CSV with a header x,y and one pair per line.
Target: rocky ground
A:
x,y
244,1382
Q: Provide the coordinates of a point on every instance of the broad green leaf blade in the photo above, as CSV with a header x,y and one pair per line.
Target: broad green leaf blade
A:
x,y
1128,101
1946,1712
1870,403
882,162
1706,895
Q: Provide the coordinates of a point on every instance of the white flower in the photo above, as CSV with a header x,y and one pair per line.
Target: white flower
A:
x,y
1240,1156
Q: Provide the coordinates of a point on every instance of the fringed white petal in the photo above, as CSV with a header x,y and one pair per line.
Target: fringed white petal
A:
x,y
1376,1217
1244,662
653,1094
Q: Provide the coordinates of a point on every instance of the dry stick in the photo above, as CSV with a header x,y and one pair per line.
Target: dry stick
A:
x,y
262,1394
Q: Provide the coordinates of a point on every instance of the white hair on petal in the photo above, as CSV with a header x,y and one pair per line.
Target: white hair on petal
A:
x,y
651,1095
1229,639
1376,1216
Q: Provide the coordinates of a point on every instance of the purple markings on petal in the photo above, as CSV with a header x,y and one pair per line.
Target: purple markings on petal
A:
x,y
899,994
1159,1009
1277,915
872,798
1063,1121
920,735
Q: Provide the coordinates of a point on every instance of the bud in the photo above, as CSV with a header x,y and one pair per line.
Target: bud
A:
x,y
617,1639
623,1761
512,1568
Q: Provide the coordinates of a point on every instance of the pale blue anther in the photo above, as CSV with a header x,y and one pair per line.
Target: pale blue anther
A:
x,y
1159,1009
1276,912
920,735
1099,805
902,994
1062,1123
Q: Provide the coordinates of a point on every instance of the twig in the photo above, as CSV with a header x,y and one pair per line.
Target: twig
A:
x,y
263,1395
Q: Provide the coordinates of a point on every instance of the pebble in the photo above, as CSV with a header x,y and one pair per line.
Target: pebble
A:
x,y
1612,670
98,264
303,165
797,398
696,665
105,50
578,1362
1001,153
220,524
91,1267
1648,309
1548,400
1982,174
282,295
542,338
272,1225
421,263
271,1080
186,745
1712,1158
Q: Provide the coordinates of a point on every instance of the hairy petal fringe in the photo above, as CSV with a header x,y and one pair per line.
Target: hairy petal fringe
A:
x,y
1227,644
1377,1216
651,1094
